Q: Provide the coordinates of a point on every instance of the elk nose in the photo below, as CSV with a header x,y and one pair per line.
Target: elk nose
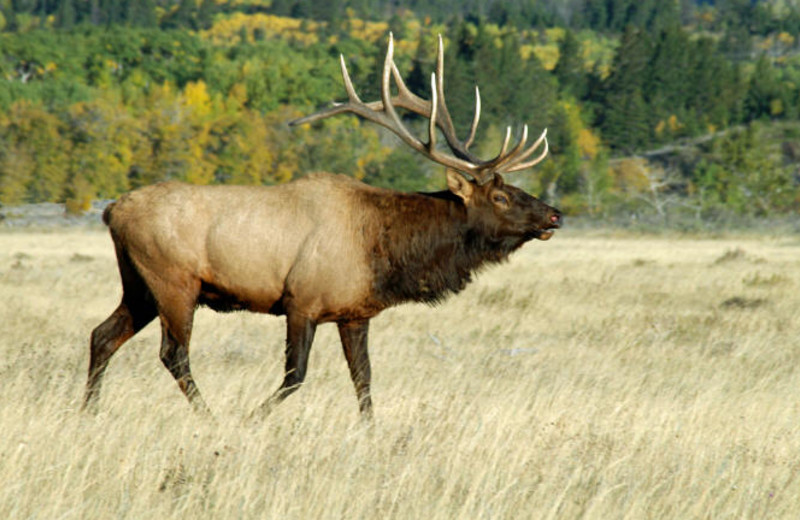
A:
x,y
555,218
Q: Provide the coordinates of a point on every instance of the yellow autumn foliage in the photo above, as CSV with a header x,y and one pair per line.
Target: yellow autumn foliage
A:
x,y
587,141
238,95
526,50
196,97
597,51
630,174
366,30
547,54
200,165
673,123
228,30
786,39
555,34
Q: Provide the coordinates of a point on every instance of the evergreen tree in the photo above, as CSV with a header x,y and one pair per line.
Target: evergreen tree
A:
x,y
666,87
67,16
625,118
142,13
184,16
594,15
533,96
763,97
569,69
626,125
95,14
113,11
711,86
205,13
418,78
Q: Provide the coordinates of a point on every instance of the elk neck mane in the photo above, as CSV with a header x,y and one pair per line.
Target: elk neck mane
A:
x,y
426,249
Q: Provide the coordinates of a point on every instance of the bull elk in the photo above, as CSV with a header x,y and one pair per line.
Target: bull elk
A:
x,y
324,248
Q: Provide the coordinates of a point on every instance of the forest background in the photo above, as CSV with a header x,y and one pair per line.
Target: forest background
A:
x,y
682,113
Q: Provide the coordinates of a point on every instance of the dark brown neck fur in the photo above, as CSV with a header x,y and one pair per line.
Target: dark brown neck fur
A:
x,y
426,249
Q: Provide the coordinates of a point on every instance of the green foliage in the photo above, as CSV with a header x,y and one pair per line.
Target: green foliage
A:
x,y
570,71
32,156
743,175
402,170
765,97
100,97
670,85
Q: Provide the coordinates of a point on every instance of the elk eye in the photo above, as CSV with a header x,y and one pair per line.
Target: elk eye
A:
x,y
500,199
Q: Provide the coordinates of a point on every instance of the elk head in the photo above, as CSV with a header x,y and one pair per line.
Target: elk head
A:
x,y
506,212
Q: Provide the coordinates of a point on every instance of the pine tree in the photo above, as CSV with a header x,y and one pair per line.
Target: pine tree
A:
x,y
569,69
764,92
666,79
142,13
183,17
711,86
627,125
205,13
67,15
624,117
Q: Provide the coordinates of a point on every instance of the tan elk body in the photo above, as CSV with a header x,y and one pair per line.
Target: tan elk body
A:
x,y
307,238
324,248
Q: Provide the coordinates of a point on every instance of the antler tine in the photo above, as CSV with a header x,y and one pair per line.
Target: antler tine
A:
x,y
434,113
335,108
438,86
407,99
386,96
475,119
517,165
497,163
513,160
461,150
506,140
348,83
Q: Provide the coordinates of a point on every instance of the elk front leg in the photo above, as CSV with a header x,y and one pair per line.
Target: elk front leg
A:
x,y
354,343
175,356
300,332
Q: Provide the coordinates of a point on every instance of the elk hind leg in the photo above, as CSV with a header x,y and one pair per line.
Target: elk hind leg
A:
x,y
136,310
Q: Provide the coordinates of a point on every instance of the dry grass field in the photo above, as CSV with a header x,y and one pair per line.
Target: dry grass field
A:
x,y
591,377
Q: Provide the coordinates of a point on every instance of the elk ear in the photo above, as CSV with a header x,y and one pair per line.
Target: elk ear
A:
x,y
459,185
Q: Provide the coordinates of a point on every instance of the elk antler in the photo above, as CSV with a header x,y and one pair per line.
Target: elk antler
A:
x,y
383,113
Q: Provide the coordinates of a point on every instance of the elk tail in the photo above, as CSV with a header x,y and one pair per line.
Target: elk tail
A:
x,y
107,213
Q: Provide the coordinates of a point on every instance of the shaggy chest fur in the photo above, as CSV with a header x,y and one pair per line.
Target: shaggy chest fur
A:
x,y
427,249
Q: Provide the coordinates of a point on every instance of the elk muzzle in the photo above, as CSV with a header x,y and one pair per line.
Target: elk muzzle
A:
x,y
553,221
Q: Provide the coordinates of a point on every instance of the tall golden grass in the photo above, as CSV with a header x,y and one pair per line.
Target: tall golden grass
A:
x,y
590,377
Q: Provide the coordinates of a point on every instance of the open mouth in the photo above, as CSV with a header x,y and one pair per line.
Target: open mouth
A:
x,y
547,232
541,234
